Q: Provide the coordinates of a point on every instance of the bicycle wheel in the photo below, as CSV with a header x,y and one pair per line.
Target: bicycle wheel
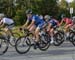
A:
x,y
13,39
23,45
58,39
72,38
3,46
44,43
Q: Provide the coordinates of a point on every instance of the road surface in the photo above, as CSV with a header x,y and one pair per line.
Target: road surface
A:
x,y
64,52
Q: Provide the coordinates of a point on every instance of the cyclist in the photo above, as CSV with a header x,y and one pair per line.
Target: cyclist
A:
x,y
7,23
67,23
52,24
36,24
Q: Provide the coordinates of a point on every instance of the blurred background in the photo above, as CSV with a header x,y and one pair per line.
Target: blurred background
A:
x,y
16,8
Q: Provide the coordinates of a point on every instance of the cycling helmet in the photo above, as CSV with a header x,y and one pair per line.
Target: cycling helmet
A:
x,y
1,15
47,17
29,11
63,16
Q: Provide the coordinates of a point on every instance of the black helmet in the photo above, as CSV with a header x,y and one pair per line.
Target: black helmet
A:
x,y
29,11
63,16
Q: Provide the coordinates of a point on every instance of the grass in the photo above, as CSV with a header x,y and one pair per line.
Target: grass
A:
x,y
14,30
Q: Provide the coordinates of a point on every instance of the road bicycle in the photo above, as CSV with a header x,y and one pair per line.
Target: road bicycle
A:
x,y
24,43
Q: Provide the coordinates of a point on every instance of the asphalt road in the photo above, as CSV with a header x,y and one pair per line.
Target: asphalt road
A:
x,y
64,52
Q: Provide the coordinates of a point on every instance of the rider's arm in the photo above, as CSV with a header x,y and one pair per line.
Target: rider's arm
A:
x,y
45,24
65,24
61,22
49,25
26,23
32,23
1,24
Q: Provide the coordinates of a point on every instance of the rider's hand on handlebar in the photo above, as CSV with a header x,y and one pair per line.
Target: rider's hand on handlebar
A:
x,y
20,28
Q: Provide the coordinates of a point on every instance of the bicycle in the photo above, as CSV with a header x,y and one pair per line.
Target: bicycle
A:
x,y
3,44
42,45
70,37
11,39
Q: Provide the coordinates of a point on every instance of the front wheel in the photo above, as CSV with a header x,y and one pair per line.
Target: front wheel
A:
x,y
3,46
58,39
72,38
23,45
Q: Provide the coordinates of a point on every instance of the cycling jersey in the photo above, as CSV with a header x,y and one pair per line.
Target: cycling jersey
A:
x,y
38,22
67,20
36,19
53,22
7,21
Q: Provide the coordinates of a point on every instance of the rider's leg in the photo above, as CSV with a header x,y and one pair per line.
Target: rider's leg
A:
x,y
67,29
39,26
37,34
32,29
7,31
50,30
51,34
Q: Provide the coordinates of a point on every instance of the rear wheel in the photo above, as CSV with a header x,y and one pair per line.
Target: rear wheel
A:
x,y
44,42
72,38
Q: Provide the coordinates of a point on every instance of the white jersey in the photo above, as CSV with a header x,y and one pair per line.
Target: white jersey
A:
x,y
7,21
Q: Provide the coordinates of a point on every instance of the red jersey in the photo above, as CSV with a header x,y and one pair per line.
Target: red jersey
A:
x,y
67,20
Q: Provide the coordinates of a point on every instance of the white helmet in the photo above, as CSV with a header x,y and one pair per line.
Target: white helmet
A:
x,y
47,17
1,15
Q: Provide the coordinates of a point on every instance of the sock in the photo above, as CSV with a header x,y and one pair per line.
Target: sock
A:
x,y
67,34
51,38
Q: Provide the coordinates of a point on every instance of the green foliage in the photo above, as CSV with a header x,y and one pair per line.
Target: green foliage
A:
x,y
16,8
19,17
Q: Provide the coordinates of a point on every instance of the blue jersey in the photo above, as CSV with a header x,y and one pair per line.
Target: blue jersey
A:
x,y
36,19
53,22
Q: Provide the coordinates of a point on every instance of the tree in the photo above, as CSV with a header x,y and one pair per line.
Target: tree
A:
x,y
64,8
12,7
73,5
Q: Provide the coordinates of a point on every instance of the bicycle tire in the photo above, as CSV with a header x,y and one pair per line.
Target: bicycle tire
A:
x,y
44,45
28,42
72,37
58,42
4,45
